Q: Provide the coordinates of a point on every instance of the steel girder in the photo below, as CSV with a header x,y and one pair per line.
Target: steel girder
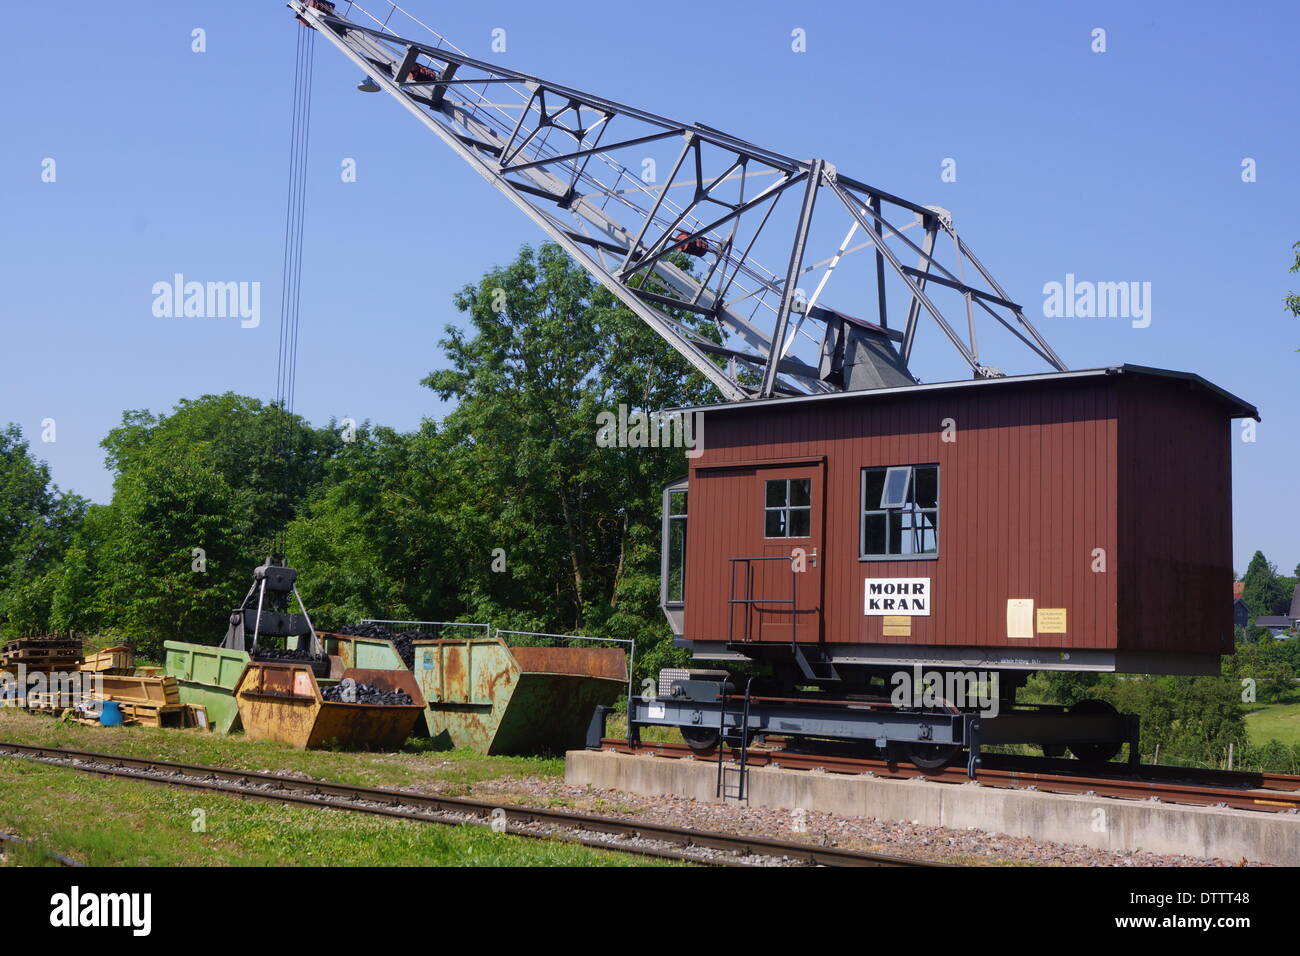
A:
x,y
565,158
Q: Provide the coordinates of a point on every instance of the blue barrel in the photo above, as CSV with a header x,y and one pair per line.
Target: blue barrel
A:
x,y
110,713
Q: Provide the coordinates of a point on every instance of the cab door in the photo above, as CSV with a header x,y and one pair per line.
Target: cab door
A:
x,y
781,570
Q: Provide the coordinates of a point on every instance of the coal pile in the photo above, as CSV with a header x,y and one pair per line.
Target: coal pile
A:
x,y
365,630
402,640
284,654
349,691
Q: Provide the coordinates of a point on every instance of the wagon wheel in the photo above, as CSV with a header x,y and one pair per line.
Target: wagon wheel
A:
x,y
933,757
1094,753
702,740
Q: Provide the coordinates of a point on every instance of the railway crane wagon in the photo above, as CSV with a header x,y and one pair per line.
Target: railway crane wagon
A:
x,y
854,555
901,559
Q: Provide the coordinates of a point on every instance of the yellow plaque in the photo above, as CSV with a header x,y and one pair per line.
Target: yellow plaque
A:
x,y
898,630
1051,620
897,621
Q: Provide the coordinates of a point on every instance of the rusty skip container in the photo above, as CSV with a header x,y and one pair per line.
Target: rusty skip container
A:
x,y
488,696
283,702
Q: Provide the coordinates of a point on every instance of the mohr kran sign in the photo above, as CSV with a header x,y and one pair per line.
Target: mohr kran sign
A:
x,y
902,596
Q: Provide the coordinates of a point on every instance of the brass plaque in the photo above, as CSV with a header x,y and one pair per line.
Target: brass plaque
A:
x,y
897,621
898,630
1051,620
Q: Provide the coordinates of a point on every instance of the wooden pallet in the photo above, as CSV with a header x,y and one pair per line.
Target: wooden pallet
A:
x,y
42,653
23,643
154,715
144,688
43,704
45,664
111,660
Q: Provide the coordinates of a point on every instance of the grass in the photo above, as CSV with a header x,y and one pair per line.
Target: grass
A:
x,y
108,822
445,771
616,726
1280,722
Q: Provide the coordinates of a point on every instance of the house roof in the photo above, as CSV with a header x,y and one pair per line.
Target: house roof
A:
x,y
1238,408
1275,621
1238,589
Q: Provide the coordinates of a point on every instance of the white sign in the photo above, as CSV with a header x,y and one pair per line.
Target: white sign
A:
x,y
906,596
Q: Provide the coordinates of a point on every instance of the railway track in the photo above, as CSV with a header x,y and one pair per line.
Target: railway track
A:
x,y
606,833
15,841
1241,791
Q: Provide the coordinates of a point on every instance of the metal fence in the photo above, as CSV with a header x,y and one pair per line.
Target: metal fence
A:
x,y
428,627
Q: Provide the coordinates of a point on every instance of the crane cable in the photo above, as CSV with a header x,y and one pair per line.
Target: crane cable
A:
x,y
291,279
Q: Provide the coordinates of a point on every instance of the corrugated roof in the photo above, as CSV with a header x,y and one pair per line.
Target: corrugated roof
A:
x,y
1239,407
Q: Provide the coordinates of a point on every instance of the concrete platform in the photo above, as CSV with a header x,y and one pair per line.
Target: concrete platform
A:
x,y
1099,822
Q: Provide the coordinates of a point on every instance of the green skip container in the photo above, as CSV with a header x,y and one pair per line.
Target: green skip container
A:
x,y
483,694
207,676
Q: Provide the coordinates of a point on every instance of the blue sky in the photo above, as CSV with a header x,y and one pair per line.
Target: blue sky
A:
x,y
1117,166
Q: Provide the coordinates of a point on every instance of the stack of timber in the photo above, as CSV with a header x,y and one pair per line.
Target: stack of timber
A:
x,y
150,699
146,699
42,653
118,660
46,701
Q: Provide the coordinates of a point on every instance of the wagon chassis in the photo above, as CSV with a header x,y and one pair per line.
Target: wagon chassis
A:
x,y
703,710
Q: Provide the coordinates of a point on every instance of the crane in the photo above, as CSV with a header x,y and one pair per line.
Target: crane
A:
x,y
678,242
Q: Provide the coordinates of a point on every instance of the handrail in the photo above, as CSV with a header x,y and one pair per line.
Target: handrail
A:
x,y
747,602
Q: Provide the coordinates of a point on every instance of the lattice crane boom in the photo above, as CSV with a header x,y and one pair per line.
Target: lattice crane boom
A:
x,y
564,157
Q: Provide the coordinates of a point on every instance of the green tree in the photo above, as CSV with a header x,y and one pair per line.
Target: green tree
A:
x,y
1264,592
1193,720
1269,663
509,511
550,350
198,496
37,523
376,538
1070,687
1292,302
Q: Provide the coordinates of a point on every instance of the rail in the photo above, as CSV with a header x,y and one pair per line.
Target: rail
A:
x,y
1265,793
607,833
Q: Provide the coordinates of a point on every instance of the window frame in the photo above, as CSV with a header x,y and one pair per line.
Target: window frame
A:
x,y
677,487
911,486
787,509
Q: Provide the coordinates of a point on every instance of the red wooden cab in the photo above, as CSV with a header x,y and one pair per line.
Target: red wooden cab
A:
x,y
1075,521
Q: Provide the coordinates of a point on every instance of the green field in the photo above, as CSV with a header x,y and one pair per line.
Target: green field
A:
x,y
445,771
107,822
1280,722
